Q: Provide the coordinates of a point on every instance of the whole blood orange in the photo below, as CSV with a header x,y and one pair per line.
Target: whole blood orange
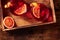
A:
x,y
8,22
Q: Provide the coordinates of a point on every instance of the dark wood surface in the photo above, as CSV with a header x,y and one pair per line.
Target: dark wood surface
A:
x,y
45,32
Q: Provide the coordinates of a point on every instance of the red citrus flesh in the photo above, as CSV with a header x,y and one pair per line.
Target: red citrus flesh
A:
x,y
21,10
36,12
8,22
35,9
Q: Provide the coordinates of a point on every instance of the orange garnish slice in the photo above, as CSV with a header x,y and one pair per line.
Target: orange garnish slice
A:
x,y
8,22
21,10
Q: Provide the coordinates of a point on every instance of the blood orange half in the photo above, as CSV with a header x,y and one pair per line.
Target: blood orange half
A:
x,y
8,22
35,9
21,10
36,12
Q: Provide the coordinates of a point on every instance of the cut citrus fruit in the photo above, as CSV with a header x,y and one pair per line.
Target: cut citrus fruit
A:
x,y
8,22
36,12
35,9
21,10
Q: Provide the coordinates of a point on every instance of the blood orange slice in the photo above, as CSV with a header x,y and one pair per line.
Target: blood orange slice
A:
x,y
35,9
36,12
21,10
8,22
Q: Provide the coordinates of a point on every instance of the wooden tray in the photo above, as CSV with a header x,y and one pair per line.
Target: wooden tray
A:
x,y
21,21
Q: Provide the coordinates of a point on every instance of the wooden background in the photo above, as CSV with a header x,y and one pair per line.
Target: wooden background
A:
x,y
45,32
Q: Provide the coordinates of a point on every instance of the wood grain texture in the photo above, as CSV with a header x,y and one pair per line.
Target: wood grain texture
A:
x,y
45,32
